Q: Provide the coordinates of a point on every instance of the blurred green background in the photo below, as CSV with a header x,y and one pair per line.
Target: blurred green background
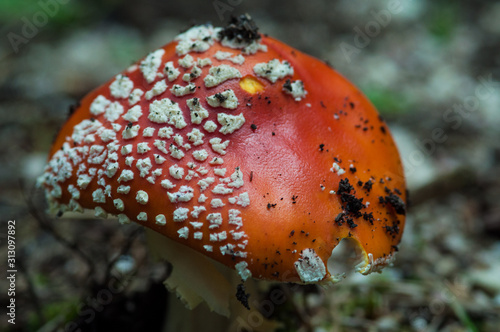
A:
x,y
429,66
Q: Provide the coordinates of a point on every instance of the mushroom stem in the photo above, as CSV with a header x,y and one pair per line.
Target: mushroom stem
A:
x,y
179,318
195,279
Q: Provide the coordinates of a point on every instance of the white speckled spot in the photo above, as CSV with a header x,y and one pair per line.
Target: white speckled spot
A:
x,y
337,169
83,181
243,271
165,132
149,66
143,148
195,73
99,105
135,96
210,126
97,154
218,74
107,135
176,172
167,184
226,99
75,193
180,214
112,169
222,190
216,203
237,59
171,72
148,132
118,203
186,62
126,175
175,152
195,136
166,111
230,123
214,237
116,127
113,111
179,91
185,194
242,199
133,114
215,220
216,161
98,196
183,232
144,166
236,179
130,132
121,86
234,218
123,189
161,145
295,89
154,174
205,183
196,224
200,155
197,39
198,112
142,197
219,146
238,235
246,46
220,171
273,70
197,210
158,89
129,160
203,62
202,198
310,267
159,159
161,220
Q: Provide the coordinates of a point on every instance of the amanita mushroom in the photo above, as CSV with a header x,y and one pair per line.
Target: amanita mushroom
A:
x,y
240,147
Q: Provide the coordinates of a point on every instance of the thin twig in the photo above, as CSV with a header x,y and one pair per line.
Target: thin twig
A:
x,y
31,290
45,225
125,249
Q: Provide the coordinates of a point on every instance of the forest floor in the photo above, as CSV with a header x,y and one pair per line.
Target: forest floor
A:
x,y
431,67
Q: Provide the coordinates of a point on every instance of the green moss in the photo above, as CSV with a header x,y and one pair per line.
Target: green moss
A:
x,y
443,18
387,102
50,15
64,311
40,280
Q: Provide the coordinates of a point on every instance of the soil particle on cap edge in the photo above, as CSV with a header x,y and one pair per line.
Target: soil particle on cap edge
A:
x,y
242,296
241,29
397,203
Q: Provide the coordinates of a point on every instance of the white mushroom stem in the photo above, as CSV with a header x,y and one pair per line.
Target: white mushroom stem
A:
x,y
195,279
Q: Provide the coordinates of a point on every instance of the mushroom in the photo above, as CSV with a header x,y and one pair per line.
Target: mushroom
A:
x,y
247,151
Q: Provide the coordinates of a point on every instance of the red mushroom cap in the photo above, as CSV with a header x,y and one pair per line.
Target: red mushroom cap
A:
x,y
240,147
